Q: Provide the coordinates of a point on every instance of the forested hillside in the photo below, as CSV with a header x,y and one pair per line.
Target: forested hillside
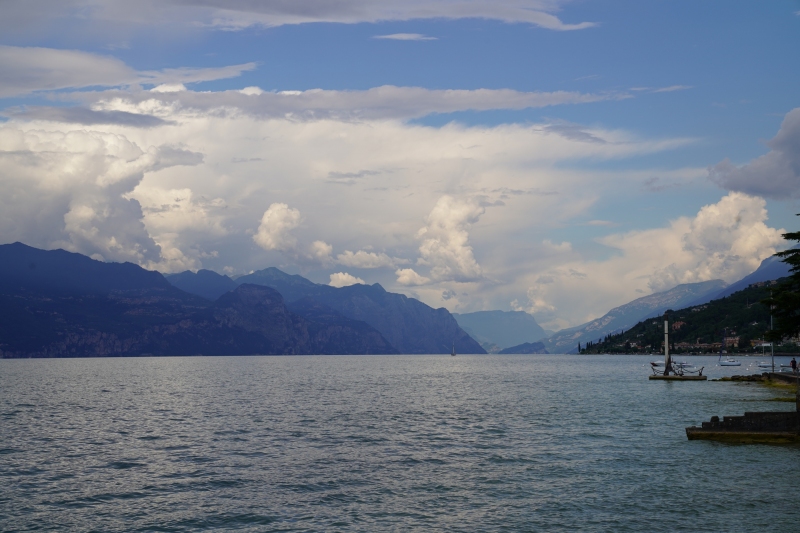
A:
x,y
741,319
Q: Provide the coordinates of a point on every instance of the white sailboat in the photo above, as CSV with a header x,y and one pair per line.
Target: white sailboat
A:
x,y
766,364
728,361
453,353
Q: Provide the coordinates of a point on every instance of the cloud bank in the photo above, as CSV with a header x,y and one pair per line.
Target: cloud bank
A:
x,y
726,240
29,69
70,190
455,215
773,175
239,14
405,37
385,102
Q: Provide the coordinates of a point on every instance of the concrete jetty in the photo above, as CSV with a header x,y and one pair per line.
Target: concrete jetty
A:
x,y
785,377
761,427
770,427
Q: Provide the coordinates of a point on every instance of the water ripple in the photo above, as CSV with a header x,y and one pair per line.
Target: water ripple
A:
x,y
401,443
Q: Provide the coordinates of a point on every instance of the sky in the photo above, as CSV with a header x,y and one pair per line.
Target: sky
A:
x,y
550,156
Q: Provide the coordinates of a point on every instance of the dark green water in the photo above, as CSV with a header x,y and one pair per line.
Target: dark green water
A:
x,y
392,443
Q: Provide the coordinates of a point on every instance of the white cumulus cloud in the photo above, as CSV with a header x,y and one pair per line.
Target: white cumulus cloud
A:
x,y
321,251
725,240
343,279
274,232
445,240
72,190
364,259
409,277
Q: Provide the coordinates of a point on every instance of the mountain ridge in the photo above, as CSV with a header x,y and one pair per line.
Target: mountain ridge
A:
x,y
627,315
60,304
408,324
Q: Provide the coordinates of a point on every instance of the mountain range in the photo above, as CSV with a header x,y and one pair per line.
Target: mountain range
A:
x,y
517,331
682,296
407,324
625,316
741,318
62,304
770,269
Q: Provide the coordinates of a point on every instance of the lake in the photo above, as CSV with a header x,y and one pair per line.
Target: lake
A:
x,y
382,443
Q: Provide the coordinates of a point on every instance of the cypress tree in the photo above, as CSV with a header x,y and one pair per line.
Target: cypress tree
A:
x,y
785,300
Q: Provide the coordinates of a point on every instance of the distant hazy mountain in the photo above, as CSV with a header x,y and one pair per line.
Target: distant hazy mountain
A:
x,y
60,304
291,286
501,328
526,348
626,316
408,324
205,283
770,269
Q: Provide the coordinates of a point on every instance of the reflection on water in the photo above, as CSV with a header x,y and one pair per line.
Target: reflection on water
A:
x,y
381,443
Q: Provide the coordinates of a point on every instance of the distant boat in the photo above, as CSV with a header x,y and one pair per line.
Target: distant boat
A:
x,y
453,353
764,364
727,361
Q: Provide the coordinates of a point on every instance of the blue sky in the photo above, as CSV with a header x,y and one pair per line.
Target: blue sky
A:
x,y
553,156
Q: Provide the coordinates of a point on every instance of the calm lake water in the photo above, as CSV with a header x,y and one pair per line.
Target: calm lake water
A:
x,y
381,443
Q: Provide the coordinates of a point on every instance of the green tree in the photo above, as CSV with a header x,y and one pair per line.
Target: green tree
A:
x,y
785,300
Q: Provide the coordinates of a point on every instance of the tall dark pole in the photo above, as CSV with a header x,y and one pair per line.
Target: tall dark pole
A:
x,y
667,362
771,342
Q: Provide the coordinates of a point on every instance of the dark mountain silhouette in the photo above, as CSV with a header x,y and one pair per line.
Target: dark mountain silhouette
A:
x,y
205,283
60,304
332,332
254,319
408,324
59,270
